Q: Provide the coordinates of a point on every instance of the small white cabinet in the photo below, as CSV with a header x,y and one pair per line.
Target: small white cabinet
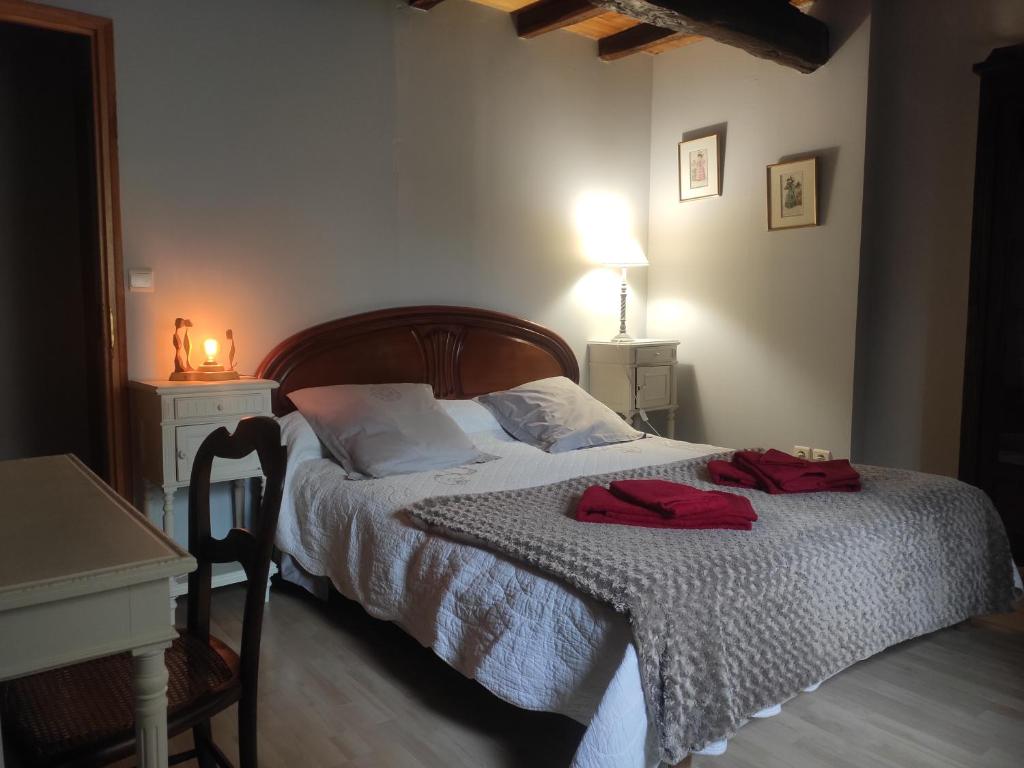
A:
x,y
170,421
630,376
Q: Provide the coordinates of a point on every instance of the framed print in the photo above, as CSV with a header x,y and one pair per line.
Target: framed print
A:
x,y
698,168
793,194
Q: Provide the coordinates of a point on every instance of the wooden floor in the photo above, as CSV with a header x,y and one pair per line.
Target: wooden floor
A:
x,y
340,689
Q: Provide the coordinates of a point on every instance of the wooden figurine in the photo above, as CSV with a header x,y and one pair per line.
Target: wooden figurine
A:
x,y
182,348
230,336
188,347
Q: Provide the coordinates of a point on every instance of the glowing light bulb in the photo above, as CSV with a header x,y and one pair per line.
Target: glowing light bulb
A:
x,y
211,347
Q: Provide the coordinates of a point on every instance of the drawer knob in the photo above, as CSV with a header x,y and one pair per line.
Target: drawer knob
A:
x,y
220,406
181,455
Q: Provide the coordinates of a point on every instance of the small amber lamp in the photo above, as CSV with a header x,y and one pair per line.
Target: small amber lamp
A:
x,y
211,347
210,369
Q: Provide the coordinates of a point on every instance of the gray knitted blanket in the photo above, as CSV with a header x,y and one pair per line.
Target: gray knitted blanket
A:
x,y
727,623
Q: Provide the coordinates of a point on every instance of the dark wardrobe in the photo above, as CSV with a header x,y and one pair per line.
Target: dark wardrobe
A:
x,y
992,432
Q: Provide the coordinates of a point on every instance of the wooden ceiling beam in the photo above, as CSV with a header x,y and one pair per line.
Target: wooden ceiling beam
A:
x,y
633,40
424,5
549,15
770,29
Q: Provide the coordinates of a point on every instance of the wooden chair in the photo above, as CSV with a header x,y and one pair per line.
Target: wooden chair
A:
x,y
83,715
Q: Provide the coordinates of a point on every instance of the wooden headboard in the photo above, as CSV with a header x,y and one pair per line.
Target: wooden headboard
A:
x,y
461,352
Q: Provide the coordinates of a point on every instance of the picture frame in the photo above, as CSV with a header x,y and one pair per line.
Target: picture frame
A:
x,y
793,194
699,168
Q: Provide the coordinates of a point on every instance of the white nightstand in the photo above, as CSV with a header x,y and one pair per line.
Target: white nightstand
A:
x,y
171,419
630,376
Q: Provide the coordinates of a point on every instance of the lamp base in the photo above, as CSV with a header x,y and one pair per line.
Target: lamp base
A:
x,y
622,337
204,375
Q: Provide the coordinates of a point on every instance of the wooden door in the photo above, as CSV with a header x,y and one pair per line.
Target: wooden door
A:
x,y
99,335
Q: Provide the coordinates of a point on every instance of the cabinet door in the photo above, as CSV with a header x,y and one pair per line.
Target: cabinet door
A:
x,y
189,438
653,386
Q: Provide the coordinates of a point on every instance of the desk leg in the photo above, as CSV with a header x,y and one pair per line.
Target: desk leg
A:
x,y
150,685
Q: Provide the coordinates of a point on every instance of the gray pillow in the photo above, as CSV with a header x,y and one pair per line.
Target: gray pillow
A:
x,y
384,429
556,415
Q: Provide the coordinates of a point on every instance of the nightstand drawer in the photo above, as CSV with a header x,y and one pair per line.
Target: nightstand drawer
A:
x,y
665,355
653,386
187,442
220,405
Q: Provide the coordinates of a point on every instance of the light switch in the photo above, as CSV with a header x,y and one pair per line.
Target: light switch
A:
x,y
141,281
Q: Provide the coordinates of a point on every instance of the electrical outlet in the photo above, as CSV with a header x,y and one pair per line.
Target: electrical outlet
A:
x,y
821,454
802,452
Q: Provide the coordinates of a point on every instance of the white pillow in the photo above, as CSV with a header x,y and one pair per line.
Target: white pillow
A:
x,y
384,429
556,415
299,439
471,416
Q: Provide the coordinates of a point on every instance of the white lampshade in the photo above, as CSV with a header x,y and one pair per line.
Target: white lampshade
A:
x,y
626,254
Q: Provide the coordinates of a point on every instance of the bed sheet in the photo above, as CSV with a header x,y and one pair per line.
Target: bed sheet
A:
x,y
529,639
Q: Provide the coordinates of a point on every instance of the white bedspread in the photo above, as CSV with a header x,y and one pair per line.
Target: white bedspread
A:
x,y
529,639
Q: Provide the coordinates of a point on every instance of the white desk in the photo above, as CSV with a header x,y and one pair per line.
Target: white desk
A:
x,y
85,575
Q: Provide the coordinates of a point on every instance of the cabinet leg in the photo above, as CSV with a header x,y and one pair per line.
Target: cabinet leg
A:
x,y
169,512
169,531
150,685
238,502
671,424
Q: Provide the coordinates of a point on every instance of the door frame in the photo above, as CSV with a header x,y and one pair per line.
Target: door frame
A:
x,y
100,33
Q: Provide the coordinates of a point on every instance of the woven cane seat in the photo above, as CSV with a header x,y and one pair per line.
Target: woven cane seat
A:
x,y
74,709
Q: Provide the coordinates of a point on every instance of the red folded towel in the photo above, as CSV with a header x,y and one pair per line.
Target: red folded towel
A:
x,y
678,500
727,473
778,472
599,505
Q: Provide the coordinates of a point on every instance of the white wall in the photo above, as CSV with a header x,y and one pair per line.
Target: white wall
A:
x,y
257,172
922,132
766,319
287,162
498,139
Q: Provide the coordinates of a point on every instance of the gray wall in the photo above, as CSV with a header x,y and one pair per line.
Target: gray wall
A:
x,y
923,111
766,319
286,162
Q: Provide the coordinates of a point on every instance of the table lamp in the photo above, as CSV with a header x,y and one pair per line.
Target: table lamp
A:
x,y
209,369
631,255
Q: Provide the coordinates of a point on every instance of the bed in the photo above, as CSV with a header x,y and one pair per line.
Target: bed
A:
x,y
528,637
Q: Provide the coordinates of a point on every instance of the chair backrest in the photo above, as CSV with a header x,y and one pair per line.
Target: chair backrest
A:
x,y
252,547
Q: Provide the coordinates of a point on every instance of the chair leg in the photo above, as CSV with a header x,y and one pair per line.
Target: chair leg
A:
x,y
204,740
247,732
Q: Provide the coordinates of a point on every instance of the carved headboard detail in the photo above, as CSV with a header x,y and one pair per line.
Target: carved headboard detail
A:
x,y
460,351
